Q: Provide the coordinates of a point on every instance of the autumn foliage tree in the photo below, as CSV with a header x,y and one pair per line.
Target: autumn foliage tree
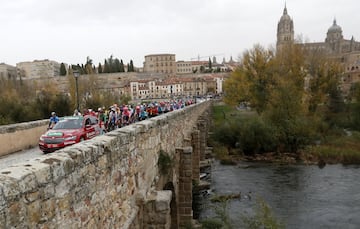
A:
x,y
285,89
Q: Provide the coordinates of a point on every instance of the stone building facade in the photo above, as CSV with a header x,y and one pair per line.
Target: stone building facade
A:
x,y
352,71
38,69
160,63
7,71
184,67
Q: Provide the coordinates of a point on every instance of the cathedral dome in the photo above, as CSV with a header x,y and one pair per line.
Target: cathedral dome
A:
x,y
335,28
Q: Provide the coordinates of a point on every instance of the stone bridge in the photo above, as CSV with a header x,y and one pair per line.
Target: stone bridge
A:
x,y
139,176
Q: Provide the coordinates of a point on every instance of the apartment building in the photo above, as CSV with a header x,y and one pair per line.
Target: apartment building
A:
x,y
160,63
145,89
38,69
184,67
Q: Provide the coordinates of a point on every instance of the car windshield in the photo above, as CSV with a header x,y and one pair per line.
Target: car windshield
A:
x,y
68,124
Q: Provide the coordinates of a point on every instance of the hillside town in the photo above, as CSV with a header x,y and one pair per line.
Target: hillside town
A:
x,y
162,76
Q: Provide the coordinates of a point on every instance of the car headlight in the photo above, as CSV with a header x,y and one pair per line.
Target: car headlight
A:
x,y
71,138
41,138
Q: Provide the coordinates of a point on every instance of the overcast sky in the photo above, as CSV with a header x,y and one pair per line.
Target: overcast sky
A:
x,y
70,30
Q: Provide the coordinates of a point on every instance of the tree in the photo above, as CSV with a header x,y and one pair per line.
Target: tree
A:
x,y
61,103
100,68
257,66
335,112
122,68
274,86
106,67
237,88
88,66
210,64
131,67
111,64
287,113
62,69
355,115
117,66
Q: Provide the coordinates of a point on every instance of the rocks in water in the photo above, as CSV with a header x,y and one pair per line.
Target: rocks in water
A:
x,y
222,198
321,163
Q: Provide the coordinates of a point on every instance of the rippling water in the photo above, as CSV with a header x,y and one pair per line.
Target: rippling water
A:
x,y
300,196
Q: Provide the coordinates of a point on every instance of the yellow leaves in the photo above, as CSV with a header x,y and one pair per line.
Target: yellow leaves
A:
x,y
236,88
252,80
297,77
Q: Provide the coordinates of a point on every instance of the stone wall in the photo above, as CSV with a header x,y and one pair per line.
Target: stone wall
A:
x,y
110,181
21,136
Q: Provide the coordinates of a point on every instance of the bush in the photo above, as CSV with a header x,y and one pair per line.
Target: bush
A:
x,y
295,134
256,136
245,131
227,134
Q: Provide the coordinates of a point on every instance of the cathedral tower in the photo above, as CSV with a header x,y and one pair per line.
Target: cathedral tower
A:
x,y
285,30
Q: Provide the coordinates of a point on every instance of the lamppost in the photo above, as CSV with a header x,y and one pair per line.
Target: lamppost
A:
x,y
195,93
76,75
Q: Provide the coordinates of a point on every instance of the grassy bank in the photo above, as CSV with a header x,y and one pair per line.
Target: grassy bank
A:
x,y
231,126
338,149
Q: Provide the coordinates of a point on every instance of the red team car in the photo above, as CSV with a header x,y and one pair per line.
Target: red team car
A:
x,y
68,131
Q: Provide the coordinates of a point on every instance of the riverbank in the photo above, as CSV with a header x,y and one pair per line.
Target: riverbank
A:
x,y
303,158
239,133
334,149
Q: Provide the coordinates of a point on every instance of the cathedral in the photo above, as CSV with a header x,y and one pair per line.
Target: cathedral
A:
x,y
334,46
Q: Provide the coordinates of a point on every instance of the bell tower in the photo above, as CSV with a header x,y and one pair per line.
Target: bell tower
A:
x,y
285,30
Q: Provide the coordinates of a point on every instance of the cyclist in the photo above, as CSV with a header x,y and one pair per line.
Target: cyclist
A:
x,y
53,120
112,120
125,117
102,120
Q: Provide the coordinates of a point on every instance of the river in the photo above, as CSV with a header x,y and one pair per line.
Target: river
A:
x,y
300,196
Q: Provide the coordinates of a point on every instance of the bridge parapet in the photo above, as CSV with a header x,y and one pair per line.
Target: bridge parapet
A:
x,y
111,181
15,137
